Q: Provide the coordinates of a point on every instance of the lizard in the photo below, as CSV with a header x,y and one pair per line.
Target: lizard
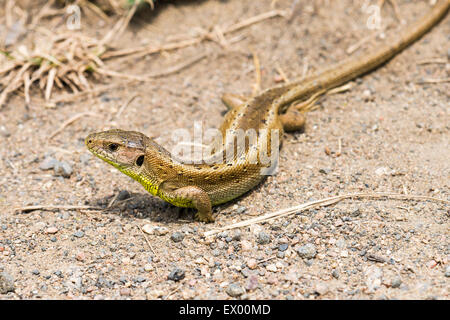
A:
x,y
272,112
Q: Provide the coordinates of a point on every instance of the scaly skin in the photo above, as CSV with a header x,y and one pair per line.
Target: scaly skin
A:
x,y
203,185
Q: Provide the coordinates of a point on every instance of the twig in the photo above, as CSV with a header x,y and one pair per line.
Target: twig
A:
x,y
257,85
321,203
71,120
122,108
432,61
112,201
425,81
53,207
172,292
148,242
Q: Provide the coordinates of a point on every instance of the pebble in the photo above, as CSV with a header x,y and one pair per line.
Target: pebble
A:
x,y
156,230
126,292
4,132
263,238
240,210
235,290
148,267
236,236
123,195
447,271
252,283
63,169
6,283
271,267
177,237
252,264
321,288
335,274
246,245
48,163
176,274
51,230
79,234
396,282
373,278
283,247
307,251
80,256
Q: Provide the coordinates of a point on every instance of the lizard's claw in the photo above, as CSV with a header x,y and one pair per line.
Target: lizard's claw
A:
x,y
207,218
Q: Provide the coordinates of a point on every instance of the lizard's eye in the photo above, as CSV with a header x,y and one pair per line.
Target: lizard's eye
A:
x,y
113,147
140,161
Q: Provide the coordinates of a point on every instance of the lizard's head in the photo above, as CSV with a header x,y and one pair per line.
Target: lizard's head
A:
x,y
125,150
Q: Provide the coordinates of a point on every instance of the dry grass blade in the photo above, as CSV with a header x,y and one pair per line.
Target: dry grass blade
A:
x,y
71,120
322,203
53,208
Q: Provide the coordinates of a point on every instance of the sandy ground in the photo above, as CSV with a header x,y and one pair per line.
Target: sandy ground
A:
x,y
393,135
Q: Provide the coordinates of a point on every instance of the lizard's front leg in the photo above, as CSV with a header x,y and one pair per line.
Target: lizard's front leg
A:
x,y
193,194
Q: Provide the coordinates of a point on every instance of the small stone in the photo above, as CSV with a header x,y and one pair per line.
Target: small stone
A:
x,y
123,195
252,283
240,210
234,290
252,264
80,256
396,282
159,231
431,264
246,245
335,274
4,132
271,267
176,274
177,237
51,230
447,271
373,278
48,163
63,169
79,234
308,251
283,247
263,238
236,236
321,288
126,292
6,283
35,272
367,95
148,267
344,253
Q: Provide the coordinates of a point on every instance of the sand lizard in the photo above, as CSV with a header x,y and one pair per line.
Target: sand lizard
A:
x,y
204,185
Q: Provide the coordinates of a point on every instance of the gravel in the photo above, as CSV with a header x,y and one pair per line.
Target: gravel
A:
x,y
396,282
6,283
63,169
263,238
177,237
235,290
79,234
307,251
447,271
176,274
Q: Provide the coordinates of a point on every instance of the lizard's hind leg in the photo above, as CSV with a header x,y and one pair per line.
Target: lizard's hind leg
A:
x,y
231,100
293,120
